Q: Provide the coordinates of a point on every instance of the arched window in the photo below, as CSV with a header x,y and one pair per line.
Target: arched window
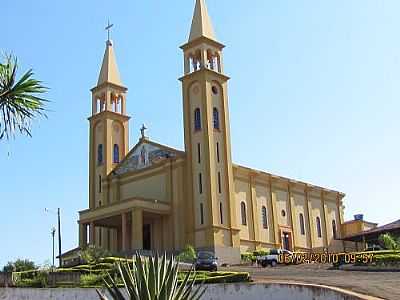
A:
x,y
100,154
302,229
319,227
243,213
221,213
216,118
116,154
264,217
201,214
197,119
334,229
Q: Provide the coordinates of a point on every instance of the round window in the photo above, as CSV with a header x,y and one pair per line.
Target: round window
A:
x,y
214,90
283,213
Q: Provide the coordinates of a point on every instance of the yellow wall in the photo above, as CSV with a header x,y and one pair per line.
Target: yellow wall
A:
x,y
154,187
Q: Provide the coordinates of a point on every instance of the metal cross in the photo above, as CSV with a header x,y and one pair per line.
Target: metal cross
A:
x,y
142,131
108,28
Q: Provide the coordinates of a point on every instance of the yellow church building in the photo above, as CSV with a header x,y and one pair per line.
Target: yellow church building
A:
x,y
157,198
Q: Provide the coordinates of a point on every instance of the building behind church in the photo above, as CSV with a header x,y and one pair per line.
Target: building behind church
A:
x,y
157,198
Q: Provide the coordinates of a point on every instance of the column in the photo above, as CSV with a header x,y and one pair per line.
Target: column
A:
x,y
187,64
124,232
92,235
94,105
203,60
137,229
82,235
220,62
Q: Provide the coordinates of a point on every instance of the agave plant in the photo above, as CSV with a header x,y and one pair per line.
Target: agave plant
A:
x,y
19,101
152,279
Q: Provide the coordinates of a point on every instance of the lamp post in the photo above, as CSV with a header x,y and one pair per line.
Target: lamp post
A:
x,y
53,233
59,231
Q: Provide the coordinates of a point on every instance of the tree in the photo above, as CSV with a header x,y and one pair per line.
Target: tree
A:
x,y
92,254
389,241
20,103
153,279
20,265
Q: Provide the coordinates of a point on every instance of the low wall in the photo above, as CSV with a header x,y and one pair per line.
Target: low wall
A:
x,y
5,279
269,291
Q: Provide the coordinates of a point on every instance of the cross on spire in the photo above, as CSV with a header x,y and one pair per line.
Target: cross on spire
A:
x,y
108,28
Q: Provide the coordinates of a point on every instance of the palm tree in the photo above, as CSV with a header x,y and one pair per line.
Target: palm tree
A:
x,y
153,279
19,99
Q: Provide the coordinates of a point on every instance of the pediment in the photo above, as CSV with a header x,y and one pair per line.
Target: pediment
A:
x,y
145,154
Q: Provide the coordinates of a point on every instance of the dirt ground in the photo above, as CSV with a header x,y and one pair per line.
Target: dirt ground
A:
x,y
379,284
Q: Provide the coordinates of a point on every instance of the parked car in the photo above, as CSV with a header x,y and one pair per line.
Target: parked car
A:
x,y
206,261
272,258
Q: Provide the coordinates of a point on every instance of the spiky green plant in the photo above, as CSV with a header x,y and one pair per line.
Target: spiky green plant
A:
x,y
153,279
19,101
389,241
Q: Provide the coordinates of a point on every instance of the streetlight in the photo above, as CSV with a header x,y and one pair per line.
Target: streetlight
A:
x,y
59,231
53,233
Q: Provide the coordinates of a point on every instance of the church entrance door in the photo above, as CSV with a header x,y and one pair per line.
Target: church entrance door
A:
x,y
147,237
286,241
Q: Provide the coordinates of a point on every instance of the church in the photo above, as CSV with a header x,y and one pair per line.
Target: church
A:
x,y
157,198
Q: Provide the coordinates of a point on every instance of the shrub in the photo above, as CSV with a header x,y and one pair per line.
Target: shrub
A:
x,y
33,279
247,257
92,280
261,252
187,255
384,259
93,254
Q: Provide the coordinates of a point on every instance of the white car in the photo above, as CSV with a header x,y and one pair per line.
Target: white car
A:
x,y
272,258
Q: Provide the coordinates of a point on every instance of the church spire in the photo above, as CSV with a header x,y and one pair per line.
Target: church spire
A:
x,y
109,70
201,23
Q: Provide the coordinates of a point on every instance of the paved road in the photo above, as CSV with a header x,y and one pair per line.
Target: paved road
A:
x,y
379,284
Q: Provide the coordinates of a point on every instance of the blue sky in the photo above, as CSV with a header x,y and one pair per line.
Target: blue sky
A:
x,y
314,95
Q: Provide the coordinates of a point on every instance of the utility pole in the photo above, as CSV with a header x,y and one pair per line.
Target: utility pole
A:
x,y
59,236
59,231
53,233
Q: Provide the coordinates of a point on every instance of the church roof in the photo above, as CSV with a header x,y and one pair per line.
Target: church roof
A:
x,y
109,72
201,23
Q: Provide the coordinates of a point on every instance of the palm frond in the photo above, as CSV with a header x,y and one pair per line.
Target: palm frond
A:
x,y
20,101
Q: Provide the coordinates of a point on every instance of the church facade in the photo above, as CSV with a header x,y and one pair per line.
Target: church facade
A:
x,y
157,198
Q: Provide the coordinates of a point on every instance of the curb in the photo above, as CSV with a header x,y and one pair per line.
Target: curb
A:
x,y
345,292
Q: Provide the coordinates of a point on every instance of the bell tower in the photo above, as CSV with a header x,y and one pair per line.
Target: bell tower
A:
x,y
207,141
108,127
